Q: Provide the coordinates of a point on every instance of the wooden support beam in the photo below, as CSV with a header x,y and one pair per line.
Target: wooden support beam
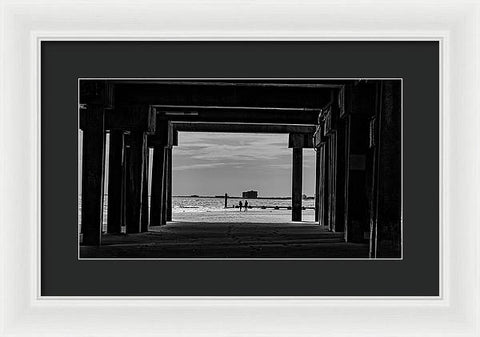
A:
x,y
332,180
250,115
325,187
134,117
97,92
182,93
297,163
156,206
172,134
341,176
115,182
243,127
317,184
300,140
163,218
175,138
135,181
92,173
125,161
386,236
144,215
314,83
158,141
169,184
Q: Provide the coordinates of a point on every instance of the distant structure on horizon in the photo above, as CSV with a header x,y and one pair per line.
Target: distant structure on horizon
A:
x,y
250,195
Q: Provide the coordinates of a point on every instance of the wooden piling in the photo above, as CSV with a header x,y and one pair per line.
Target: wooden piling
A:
x,y
163,215
317,184
169,184
92,177
323,187
135,182
115,182
123,197
157,185
332,180
144,211
297,164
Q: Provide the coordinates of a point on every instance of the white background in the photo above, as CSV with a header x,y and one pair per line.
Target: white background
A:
x,y
454,23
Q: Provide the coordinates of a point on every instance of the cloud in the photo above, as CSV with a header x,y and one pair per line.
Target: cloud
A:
x,y
281,166
204,165
215,163
227,147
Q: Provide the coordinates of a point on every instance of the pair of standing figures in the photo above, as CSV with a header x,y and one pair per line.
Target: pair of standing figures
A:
x,y
240,205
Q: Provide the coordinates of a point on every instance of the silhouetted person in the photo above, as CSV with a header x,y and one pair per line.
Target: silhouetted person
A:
x,y
246,205
240,205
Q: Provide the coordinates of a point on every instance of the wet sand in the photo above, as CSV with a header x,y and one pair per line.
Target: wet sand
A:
x,y
233,215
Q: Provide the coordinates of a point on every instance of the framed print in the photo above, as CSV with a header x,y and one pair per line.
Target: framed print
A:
x,y
172,155
199,169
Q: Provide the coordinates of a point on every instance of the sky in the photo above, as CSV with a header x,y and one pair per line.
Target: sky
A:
x,y
219,163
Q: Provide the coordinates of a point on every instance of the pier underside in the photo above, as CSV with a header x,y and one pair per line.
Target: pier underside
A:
x,y
228,240
354,126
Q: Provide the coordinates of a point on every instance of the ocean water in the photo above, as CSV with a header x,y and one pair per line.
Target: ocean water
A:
x,y
189,204
183,205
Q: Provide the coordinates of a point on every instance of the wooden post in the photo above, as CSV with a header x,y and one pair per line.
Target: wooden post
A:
x,y
144,214
388,186
92,173
226,200
169,184
115,182
125,160
135,182
323,187
340,176
317,184
375,174
297,164
156,208
163,218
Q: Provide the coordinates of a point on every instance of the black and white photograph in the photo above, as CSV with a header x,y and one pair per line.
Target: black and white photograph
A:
x,y
241,168
255,168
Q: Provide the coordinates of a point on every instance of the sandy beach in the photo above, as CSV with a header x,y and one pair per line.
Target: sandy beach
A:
x,y
227,240
233,215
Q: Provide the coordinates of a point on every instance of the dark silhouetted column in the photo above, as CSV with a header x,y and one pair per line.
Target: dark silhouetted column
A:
x,y
169,184
297,184
163,218
317,184
134,182
144,215
92,173
115,182
157,185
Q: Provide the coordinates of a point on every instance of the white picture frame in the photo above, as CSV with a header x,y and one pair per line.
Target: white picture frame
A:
x,y
455,24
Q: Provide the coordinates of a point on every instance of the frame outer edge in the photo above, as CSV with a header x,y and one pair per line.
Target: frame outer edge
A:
x,y
22,321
